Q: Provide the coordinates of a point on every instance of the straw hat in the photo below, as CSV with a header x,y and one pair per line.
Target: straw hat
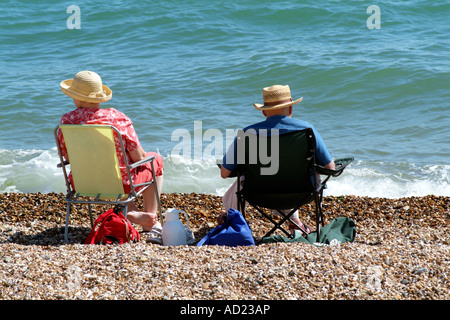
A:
x,y
276,97
86,86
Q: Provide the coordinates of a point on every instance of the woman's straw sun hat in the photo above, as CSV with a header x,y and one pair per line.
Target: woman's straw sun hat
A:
x,y
86,86
276,97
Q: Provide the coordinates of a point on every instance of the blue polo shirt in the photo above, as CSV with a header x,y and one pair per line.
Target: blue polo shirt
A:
x,y
284,124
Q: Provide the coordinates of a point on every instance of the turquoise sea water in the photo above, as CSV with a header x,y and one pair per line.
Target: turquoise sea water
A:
x,y
197,67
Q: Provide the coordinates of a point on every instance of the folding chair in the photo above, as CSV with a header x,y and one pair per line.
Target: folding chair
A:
x,y
294,184
95,169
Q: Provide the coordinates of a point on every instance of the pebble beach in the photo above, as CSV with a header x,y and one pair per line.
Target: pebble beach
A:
x,y
401,252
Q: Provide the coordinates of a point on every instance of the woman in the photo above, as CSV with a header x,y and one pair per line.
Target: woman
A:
x,y
87,91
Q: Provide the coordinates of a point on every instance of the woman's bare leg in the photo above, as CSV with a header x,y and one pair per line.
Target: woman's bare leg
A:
x,y
149,217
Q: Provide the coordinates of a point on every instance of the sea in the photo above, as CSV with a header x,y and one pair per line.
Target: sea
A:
x,y
374,77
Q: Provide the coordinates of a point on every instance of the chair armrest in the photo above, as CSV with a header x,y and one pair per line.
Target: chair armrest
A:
x,y
59,165
141,162
233,173
340,164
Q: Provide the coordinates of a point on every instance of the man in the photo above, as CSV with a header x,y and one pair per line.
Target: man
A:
x,y
87,91
277,109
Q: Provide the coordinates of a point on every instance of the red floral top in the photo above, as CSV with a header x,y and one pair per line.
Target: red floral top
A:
x,y
108,116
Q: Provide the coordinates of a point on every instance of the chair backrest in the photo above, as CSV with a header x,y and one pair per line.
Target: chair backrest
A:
x,y
294,157
93,159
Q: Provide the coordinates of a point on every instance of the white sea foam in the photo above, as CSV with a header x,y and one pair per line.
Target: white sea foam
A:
x,y
353,183
30,171
375,179
36,171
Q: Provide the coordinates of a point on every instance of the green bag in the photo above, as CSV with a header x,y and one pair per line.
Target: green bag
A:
x,y
339,230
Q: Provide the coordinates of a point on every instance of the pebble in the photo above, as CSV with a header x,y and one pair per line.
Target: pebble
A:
x,y
401,252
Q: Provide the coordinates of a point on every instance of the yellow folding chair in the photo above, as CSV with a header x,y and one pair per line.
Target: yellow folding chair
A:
x,y
95,169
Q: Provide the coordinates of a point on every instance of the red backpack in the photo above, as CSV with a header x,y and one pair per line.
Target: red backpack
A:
x,y
111,227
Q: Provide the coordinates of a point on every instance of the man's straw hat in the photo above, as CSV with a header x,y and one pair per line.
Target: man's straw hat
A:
x,y
86,86
276,97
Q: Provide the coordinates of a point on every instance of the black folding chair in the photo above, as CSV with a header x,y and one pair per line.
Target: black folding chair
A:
x,y
293,185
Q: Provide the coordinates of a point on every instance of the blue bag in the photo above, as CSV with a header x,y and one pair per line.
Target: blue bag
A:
x,y
233,232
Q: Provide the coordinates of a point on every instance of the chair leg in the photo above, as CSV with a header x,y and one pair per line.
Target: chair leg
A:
x,y
241,204
319,215
125,210
90,215
158,199
277,225
66,231
317,228
159,205
286,218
